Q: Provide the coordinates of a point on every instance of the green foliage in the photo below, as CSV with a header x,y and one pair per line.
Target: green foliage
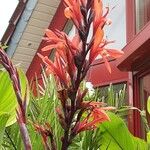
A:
x,y
113,135
8,101
3,46
3,120
116,99
148,105
42,110
12,138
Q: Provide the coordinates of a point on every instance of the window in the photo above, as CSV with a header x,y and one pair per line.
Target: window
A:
x,y
144,94
115,95
142,13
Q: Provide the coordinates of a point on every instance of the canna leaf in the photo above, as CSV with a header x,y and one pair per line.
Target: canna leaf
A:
x,y
148,105
8,101
3,120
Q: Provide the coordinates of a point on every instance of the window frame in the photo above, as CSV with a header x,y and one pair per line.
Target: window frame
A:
x,y
137,98
131,20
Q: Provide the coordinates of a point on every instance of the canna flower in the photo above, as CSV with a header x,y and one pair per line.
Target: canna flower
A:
x,y
46,133
99,18
61,118
96,116
104,53
43,130
98,12
66,50
55,41
72,11
91,104
57,68
60,41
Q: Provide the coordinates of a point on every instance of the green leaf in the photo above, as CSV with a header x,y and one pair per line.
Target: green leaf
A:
x,y
3,120
8,101
116,136
148,105
148,137
140,144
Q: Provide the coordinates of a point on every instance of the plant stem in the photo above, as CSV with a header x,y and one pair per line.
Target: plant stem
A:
x,y
25,136
21,112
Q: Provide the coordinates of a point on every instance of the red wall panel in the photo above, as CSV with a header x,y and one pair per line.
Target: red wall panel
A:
x,y
99,75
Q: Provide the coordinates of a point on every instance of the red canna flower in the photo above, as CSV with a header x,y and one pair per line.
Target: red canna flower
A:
x,y
46,133
55,41
60,41
98,12
99,18
66,49
57,68
61,118
98,37
71,64
96,116
87,104
104,53
72,11
43,131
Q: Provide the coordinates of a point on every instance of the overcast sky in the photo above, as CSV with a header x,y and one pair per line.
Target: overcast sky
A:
x,y
7,8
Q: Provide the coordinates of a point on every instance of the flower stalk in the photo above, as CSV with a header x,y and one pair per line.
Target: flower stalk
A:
x,y
73,58
21,110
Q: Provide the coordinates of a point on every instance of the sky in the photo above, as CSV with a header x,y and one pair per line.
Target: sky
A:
x,y
7,8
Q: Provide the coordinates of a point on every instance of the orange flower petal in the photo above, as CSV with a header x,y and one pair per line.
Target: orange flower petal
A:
x,y
69,2
115,53
98,5
68,13
51,34
49,47
107,64
98,38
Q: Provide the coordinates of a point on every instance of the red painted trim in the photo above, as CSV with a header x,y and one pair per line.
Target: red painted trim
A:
x,y
130,19
136,99
58,22
130,102
99,75
136,103
136,51
135,46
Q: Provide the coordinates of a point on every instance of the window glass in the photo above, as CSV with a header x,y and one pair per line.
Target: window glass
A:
x,y
144,93
115,95
142,13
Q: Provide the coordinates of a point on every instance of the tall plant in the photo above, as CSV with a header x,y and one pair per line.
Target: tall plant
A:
x,y
73,58
21,99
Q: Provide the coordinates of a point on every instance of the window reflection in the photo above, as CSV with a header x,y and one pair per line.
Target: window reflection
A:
x,y
145,93
142,13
